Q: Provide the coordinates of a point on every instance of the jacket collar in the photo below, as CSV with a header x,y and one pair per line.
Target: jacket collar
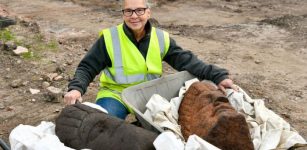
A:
x,y
130,35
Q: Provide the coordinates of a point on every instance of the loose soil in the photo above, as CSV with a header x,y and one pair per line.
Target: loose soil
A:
x,y
262,43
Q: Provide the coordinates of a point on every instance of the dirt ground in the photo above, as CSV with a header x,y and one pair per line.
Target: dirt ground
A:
x,y
262,43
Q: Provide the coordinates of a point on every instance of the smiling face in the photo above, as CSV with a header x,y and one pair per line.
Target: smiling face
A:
x,y
136,22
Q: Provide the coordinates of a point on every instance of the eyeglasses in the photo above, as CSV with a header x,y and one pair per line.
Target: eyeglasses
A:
x,y
138,12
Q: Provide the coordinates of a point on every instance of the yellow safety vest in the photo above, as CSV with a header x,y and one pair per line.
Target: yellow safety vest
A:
x,y
128,65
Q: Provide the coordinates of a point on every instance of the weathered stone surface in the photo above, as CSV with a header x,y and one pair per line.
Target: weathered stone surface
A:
x,y
45,84
16,83
9,45
54,94
206,112
79,126
50,76
25,83
20,50
34,91
58,78
2,106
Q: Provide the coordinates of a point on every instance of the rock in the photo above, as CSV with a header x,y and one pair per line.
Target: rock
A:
x,y
8,76
16,83
18,62
8,69
54,90
51,68
2,106
56,110
58,78
27,22
20,50
45,84
60,69
9,46
69,62
51,76
25,83
34,91
54,94
10,108
258,61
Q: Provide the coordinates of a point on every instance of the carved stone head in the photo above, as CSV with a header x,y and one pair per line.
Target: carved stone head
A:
x,y
206,112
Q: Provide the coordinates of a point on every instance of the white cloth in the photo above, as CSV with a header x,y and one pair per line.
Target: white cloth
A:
x,y
95,106
169,141
196,143
165,115
162,115
268,130
41,137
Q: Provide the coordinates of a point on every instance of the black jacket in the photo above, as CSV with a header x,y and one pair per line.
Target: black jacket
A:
x,y
97,59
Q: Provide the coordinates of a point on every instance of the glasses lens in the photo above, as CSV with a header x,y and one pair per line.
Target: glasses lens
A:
x,y
140,11
127,12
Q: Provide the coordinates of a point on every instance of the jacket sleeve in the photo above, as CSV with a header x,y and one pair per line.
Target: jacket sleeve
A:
x,y
93,62
181,60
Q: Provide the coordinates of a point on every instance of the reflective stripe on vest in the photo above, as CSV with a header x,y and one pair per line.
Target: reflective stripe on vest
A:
x,y
120,77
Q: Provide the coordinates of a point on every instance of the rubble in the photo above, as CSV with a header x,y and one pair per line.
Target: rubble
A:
x,y
2,106
25,83
34,91
45,84
58,78
9,46
20,50
16,83
51,76
54,94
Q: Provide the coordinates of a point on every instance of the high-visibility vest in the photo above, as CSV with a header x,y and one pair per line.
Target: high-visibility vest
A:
x,y
128,65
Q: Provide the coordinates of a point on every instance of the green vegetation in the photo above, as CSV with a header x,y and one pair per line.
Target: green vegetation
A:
x,y
52,45
6,35
36,43
28,55
39,43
